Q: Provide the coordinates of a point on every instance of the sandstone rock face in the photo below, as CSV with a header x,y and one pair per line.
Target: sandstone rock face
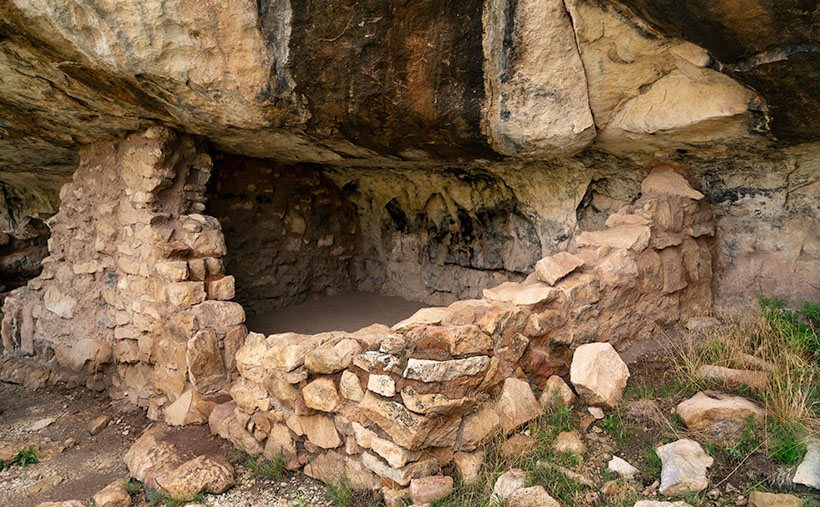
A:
x,y
684,467
538,102
598,374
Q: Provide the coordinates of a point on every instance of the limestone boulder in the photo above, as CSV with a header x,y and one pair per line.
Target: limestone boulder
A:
x,y
332,356
719,413
220,315
203,474
223,422
516,405
206,369
468,465
327,466
764,499
521,294
569,441
534,496
114,495
428,370
598,374
556,393
408,429
403,475
150,459
350,387
434,403
382,384
507,483
621,467
321,394
684,464
555,267
431,488
478,426
808,471
319,429
395,455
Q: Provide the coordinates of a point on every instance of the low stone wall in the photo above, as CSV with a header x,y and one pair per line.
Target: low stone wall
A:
x,y
133,297
384,405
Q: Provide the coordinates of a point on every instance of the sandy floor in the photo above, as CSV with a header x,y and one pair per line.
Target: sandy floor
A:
x,y
346,312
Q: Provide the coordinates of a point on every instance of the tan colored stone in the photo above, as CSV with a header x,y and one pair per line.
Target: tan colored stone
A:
x,y
519,446
358,476
521,294
684,465
223,289
86,354
67,503
460,339
477,427
516,404
203,474
569,441
434,403
372,360
206,371
523,116
320,430
732,377
512,348
98,424
710,407
555,267
220,315
468,465
406,428
350,387
150,457
395,455
507,483
430,316
173,271
321,395
58,303
634,238
764,499
401,476
598,374
442,371
327,466
114,495
431,488
223,422
381,384
332,356
556,392
186,293
534,496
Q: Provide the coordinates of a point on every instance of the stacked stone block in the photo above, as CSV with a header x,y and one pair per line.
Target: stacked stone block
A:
x,y
133,297
382,406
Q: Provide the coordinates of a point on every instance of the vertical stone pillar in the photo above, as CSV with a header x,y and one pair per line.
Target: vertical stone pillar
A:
x,y
133,296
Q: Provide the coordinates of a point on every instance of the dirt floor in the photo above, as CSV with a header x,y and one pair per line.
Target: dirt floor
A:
x,y
344,312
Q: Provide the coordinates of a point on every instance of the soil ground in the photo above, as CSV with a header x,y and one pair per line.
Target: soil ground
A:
x,y
343,312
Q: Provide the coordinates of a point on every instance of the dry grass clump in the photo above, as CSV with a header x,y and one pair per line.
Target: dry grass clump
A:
x,y
779,341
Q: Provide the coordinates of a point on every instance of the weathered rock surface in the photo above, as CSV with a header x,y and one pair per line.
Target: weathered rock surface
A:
x,y
507,483
428,489
763,499
598,374
555,267
732,377
808,472
516,404
684,467
114,494
534,496
621,467
556,391
719,413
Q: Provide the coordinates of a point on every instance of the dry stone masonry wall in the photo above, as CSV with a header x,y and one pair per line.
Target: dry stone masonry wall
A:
x,y
133,297
382,406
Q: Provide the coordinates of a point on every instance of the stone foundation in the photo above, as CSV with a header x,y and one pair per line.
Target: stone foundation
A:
x,y
382,406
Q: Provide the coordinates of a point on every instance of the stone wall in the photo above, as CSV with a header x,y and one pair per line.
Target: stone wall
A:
x,y
132,297
381,406
290,231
